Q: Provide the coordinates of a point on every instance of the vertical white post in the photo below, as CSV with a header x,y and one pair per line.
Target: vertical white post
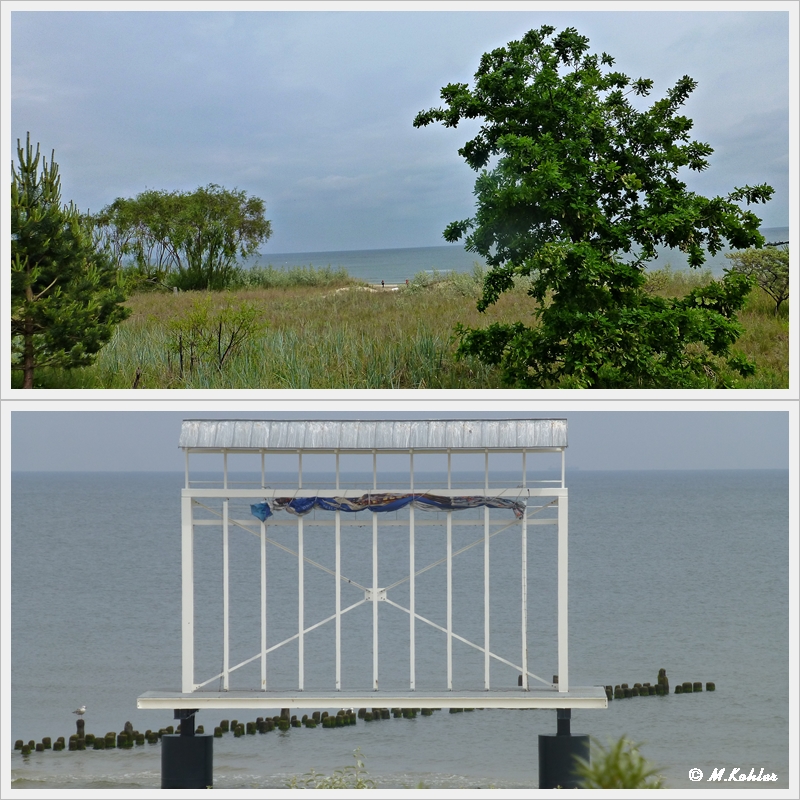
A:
x,y
300,640
300,615
338,578
563,467
263,605
374,579
486,660
411,587
524,558
563,624
375,602
449,580
524,469
225,599
187,594
338,612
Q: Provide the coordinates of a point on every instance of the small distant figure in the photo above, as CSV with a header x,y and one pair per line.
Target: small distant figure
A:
x,y
80,711
406,281
383,285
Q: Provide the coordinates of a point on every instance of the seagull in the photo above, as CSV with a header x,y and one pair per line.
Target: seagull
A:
x,y
80,711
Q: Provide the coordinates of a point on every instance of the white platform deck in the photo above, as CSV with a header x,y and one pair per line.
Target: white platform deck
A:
x,y
576,697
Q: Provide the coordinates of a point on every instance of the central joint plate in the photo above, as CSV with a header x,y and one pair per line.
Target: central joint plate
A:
x,y
369,594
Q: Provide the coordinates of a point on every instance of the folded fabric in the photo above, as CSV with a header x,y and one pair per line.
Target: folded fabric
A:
x,y
381,502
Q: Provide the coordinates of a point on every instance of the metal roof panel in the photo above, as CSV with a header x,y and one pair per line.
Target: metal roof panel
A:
x,y
365,435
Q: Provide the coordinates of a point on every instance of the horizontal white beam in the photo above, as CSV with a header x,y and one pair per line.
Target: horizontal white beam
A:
x,y
576,697
365,522
260,494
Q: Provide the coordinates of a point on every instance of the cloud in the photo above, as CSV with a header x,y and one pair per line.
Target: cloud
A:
x,y
296,107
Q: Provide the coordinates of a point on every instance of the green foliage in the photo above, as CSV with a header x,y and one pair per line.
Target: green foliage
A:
x,y
353,777
269,277
581,189
465,284
189,240
65,300
425,280
206,335
468,284
667,281
769,267
618,766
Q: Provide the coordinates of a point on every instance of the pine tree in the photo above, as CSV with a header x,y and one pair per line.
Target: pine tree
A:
x,y
65,299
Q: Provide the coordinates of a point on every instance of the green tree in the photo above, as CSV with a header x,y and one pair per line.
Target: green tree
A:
x,y
186,239
769,267
581,189
137,230
65,300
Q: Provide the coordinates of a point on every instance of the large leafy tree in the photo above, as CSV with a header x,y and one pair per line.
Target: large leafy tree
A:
x,y
576,189
65,299
186,239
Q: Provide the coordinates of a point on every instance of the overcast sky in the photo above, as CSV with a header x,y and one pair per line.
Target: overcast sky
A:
x,y
148,440
312,110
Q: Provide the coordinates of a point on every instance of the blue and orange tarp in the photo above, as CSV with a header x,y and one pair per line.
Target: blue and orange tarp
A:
x,y
380,502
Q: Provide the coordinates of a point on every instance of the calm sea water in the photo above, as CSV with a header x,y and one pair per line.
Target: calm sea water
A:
x,y
682,570
397,265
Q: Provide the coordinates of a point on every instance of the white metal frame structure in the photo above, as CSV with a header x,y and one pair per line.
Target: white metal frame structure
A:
x,y
261,439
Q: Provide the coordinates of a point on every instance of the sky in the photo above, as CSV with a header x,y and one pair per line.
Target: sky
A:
x,y
56,441
312,110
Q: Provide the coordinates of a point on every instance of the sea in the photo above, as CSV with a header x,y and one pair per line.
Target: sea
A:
x,y
682,570
395,266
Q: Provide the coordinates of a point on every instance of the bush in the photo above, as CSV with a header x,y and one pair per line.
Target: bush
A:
x,y
259,277
206,335
619,766
665,282
463,284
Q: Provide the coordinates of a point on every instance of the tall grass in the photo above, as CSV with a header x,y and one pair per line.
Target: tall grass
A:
x,y
315,337
342,334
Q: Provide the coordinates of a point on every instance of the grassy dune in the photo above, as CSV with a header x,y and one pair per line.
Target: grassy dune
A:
x,y
346,335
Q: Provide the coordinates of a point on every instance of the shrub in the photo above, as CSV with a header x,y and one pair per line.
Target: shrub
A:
x,y
619,766
269,277
206,335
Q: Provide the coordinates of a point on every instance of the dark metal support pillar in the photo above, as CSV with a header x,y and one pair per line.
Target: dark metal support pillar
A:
x,y
187,760
557,753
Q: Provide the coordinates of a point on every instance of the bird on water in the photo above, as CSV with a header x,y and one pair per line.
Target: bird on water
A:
x,y
80,711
